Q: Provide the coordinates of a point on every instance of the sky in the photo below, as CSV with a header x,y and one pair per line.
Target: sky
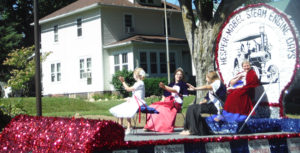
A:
x,y
173,1
177,3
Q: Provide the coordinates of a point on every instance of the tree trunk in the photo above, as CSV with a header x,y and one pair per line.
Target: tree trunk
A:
x,y
202,36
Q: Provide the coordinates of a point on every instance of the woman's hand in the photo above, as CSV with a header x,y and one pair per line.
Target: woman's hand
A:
x,y
203,101
121,79
162,85
191,87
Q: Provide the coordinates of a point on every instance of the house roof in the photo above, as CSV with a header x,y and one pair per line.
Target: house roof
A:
x,y
146,39
81,5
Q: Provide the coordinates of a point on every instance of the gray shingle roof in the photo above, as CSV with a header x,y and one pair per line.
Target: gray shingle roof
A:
x,y
79,4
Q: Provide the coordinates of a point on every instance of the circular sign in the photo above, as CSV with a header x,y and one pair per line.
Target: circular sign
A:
x,y
264,36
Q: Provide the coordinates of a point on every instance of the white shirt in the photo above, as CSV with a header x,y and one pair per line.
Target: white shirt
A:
x,y
139,90
175,95
215,86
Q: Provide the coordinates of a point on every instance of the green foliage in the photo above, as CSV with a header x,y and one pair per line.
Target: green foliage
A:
x,y
15,29
9,40
4,119
96,96
67,107
108,96
128,76
13,109
23,64
152,88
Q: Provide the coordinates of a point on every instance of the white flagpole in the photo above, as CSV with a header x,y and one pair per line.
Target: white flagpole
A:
x,y
167,41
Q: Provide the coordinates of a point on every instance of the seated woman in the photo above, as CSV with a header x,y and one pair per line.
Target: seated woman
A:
x,y
194,123
238,104
169,106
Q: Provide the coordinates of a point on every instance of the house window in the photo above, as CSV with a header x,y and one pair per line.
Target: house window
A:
x,y
85,68
163,62
147,1
89,70
143,61
117,63
157,62
128,23
81,63
79,27
168,26
153,63
172,62
58,72
124,61
121,65
55,72
56,33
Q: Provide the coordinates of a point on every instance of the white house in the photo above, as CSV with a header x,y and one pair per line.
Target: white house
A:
x,y
92,39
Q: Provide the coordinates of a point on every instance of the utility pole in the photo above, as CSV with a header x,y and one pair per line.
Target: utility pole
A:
x,y
167,40
37,60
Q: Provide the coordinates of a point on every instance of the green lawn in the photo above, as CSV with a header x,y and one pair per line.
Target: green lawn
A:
x,y
67,107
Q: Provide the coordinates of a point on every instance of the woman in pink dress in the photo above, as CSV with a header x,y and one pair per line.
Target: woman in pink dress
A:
x,y
169,106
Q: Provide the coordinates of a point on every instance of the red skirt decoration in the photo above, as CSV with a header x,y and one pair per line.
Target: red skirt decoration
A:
x,y
239,100
165,120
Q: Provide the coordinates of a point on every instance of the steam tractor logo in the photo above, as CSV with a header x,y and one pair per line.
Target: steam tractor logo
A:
x,y
265,37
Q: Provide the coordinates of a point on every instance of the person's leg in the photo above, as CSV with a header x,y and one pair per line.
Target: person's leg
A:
x,y
128,123
187,120
128,130
209,108
199,126
120,121
191,119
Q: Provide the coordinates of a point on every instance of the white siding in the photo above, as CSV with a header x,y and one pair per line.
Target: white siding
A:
x,y
69,49
110,64
100,27
147,22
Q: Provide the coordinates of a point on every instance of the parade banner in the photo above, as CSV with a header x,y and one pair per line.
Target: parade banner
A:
x,y
266,38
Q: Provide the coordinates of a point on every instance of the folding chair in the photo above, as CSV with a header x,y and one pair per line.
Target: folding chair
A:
x,y
144,109
180,112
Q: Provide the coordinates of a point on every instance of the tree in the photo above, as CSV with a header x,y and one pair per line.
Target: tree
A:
x,y
9,40
202,35
15,29
23,72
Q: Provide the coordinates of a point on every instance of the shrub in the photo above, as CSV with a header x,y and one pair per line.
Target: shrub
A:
x,y
108,96
4,119
152,88
13,110
128,76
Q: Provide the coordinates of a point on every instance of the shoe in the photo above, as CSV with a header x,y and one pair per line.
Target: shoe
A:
x,y
185,132
128,131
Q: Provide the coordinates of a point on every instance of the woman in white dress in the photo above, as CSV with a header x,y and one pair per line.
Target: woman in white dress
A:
x,y
129,108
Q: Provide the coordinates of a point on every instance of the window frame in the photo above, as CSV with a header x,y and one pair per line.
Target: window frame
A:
x,y
122,63
147,65
169,26
131,26
79,27
55,69
55,31
85,69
